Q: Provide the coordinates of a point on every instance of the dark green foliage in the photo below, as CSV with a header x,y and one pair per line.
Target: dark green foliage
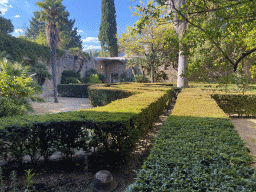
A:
x,y
69,35
100,96
197,154
67,77
35,27
193,153
91,71
123,78
78,90
118,128
236,104
102,77
88,73
16,48
108,30
141,79
6,25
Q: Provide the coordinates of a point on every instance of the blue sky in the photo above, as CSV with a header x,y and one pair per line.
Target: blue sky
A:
x,y
87,14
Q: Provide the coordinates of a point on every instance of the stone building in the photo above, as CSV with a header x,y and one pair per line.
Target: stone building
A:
x,y
111,67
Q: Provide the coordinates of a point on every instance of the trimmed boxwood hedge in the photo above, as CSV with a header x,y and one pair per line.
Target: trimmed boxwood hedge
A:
x,y
236,104
103,94
197,150
73,90
117,126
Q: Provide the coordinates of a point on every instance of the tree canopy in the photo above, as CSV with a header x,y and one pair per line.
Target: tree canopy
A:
x,y
69,37
52,13
6,25
108,31
156,39
220,22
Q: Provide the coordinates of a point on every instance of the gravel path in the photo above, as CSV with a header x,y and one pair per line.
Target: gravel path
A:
x,y
247,130
65,104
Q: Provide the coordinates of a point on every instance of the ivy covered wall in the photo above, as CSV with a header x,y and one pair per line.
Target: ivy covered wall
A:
x,y
17,48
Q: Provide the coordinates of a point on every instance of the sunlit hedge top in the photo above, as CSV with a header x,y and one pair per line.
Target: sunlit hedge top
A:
x,y
197,103
133,104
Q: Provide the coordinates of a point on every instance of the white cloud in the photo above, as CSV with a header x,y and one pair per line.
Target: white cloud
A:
x,y
91,47
79,31
91,40
3,6
16,16
19,30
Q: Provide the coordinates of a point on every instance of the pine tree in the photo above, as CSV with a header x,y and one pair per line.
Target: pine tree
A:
x,y
69,36
35,27
108,32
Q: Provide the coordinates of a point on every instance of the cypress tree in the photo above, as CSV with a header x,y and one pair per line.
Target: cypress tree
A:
x,y
108,32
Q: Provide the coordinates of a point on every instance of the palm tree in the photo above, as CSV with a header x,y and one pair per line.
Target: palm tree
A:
x,y
78,53
52,13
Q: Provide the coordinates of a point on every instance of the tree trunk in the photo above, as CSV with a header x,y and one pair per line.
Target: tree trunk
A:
x,y
246,74
152,64
182,64
180,27
142,70
53,63
133,71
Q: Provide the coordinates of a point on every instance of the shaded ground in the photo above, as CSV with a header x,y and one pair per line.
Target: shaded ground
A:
x,y
77,175
246,127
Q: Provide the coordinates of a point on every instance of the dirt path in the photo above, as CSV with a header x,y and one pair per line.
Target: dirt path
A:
x,y
65,104
247,131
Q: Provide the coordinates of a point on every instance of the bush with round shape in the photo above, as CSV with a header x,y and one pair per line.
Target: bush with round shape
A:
x,y
94,78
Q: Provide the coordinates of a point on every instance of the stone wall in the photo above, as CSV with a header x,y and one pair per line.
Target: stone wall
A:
x,y
111,67
66,62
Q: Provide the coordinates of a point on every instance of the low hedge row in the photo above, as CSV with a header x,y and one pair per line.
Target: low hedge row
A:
x,y
236,104
197,151
73,90
116,126
103,94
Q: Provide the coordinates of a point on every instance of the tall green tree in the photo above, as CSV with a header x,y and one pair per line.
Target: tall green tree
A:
x,y
220,23
156,39
69,35
6,25
108,31
52,13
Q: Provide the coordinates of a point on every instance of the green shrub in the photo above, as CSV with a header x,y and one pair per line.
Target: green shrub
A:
x,y
117,126
76,90
88,73
101,96
15,89
102,77
67,77
91,71
94,78
141,79
236,104
196,151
